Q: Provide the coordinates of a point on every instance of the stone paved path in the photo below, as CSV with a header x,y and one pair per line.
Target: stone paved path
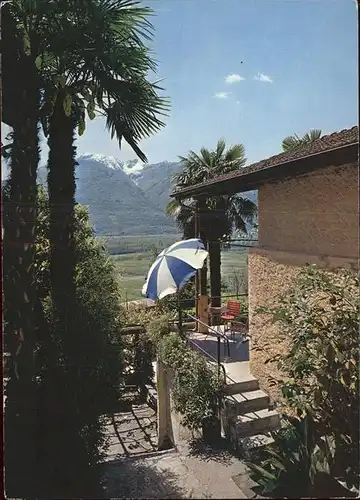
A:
x,y
182,473
134,469
131,432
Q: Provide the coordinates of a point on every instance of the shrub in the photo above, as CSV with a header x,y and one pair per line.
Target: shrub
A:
x,y
319,316
71,443
196,385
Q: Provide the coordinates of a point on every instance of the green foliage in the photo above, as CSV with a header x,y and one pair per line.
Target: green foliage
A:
x,y
140,352
294,141
196,386
99,357
97,292
291,465
220,216
319,317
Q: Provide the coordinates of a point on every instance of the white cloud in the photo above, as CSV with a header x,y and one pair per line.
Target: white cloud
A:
x,y
221,95
263,78
234,78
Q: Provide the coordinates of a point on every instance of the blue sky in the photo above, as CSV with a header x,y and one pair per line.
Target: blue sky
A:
x,y
293,65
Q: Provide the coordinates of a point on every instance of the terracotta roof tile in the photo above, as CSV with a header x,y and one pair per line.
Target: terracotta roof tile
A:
x,y
326,143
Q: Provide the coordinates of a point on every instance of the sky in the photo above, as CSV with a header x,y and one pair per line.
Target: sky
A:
x,y
248,71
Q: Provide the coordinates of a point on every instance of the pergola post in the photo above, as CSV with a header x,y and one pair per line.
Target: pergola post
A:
x,y
165,430
197,276
201,207
201,281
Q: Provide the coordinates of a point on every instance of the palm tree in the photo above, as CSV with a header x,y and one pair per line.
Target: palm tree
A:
x,y
20,110
99,68
293,141
108,77
84,55
219,215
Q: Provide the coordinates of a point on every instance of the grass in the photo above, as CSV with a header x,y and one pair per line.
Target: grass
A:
x,y
138,244
133,268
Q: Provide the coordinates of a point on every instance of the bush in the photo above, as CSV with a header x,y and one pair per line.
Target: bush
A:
x,y
187,299
71,442
319,316
196,385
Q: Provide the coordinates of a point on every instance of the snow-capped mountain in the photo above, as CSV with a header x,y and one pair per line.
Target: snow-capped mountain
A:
x,y
117,205
132,167
125,197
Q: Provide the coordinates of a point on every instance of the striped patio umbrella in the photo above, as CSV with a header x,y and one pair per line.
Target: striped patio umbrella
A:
x,y
173,267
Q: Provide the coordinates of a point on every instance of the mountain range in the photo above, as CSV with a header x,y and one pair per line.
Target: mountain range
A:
x,y
125,197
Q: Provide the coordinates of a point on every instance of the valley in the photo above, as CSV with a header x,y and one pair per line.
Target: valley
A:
x,y
133,257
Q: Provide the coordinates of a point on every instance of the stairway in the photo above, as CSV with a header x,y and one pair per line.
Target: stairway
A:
x,y
247,418
246,414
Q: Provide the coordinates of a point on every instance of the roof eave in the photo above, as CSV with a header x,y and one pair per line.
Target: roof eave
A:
x,y
252,180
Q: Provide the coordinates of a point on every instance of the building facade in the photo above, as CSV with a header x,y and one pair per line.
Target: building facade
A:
x,y
308,213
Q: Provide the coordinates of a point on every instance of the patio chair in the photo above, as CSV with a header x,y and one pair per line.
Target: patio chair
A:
x,y
232,310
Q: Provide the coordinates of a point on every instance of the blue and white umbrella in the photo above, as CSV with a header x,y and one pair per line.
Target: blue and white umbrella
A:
x,y
173,267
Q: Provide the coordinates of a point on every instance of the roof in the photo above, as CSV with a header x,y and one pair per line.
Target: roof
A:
x,y
336,148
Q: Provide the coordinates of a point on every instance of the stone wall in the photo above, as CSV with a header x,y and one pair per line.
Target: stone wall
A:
x,y
270,274
310,220
315,214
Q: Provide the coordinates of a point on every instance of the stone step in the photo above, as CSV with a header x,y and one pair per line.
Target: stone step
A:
x,y
247,401
257,422
248,383
257,441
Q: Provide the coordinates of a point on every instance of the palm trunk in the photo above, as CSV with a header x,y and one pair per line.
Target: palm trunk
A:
x,y
61,186
64,432
20,292
215,272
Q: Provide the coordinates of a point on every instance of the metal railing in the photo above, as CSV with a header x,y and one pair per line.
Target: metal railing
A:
x,y
215,332
220,365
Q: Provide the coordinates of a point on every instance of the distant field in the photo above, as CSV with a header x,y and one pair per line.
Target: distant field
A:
x,y
133,268
138,244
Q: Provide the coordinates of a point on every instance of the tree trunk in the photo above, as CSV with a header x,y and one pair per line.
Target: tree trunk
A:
x,y
64,434
20,292
61,186
215,272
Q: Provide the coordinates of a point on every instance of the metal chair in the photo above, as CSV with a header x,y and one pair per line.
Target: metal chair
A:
x,y
232,310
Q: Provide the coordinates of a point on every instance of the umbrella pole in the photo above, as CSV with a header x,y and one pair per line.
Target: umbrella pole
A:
x,y
179,313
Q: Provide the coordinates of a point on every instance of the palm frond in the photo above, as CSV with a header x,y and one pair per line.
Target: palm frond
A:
x,y
294,141
312,135
219,151
173,208
290,143
207,158
236,153
135,114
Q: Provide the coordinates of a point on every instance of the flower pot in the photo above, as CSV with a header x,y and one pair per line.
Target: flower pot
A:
x,y
212,431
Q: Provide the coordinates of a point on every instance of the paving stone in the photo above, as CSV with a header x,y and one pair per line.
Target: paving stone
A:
x,y
177,474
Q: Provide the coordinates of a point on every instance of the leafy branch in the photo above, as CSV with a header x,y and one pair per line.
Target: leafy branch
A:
x,y
196,386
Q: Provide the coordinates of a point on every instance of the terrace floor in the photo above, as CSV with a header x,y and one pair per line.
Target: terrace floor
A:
x,y
190,471
134,469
